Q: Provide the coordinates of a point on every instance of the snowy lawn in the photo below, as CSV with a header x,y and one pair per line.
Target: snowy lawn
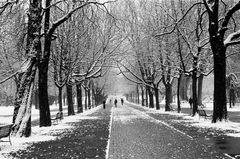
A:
x,y
38,133
201,122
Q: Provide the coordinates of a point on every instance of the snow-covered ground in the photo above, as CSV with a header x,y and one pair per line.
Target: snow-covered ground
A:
x,y
42,134
38,133
204,123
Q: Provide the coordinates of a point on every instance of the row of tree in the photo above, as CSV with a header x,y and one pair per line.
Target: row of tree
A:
x,y
176,38
68,43
75,42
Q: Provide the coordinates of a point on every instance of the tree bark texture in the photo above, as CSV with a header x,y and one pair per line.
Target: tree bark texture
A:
x,y
45,117
93,97
150,94
79,98
178,93
146,94
194,86
185,80
142,94
23,99
220,108
156,91
85,99
138,94
168,94
60,99
200,83
89,97
219,57
70,100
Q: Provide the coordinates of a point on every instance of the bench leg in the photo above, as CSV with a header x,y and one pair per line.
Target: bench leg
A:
x,y
10,140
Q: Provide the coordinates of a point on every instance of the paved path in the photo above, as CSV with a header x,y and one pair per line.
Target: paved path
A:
x,y
135,134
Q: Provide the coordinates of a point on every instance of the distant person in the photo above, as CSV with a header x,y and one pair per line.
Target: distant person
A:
x,y
190,102
115,102
122,101
110,101
104,104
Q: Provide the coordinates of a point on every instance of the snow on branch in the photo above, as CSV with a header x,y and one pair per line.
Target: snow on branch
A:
x,y
231,39
53,5
9,77
69,14
207,6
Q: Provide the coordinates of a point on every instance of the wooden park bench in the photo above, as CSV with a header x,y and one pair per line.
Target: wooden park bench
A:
x,y
202,113
59,116
5,131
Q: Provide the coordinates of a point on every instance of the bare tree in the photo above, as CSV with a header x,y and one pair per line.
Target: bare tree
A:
x,y
26,75
221,37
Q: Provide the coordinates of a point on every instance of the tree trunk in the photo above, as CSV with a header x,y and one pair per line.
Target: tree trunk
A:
x,y
194,86
36,95
146,93
22,103
138,94
157,97
142,95
200,83
185,80
85,101
219,58
178,93
70,100
45,117
171,96
79,98
89,97
132,97
168,94
93,99
230,98
220,108
60,99
151,101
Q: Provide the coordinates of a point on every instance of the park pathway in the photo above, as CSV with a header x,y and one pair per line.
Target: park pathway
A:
x,y
135,134
124,132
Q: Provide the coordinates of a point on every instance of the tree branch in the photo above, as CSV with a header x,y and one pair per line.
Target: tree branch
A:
x,y
229,15
229,40
177,22
9,77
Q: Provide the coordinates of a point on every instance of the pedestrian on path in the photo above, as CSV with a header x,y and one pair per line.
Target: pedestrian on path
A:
x,y
122,101
104,104
190,102
115,102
